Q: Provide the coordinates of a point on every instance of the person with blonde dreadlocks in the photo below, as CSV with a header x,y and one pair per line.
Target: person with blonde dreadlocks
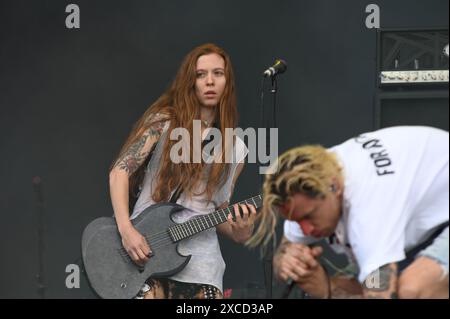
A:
x,y
382,197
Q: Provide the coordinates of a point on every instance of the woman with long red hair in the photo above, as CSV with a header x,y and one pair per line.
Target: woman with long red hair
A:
x,y
204,90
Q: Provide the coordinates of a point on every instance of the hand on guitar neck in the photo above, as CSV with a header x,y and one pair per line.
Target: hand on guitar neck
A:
x,y
241,223
135,245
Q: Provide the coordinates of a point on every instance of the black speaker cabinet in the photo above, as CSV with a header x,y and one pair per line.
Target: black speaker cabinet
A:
x,y
428,108
412,78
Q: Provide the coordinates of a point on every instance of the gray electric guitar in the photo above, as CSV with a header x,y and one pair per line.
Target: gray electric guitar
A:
x,y
110,270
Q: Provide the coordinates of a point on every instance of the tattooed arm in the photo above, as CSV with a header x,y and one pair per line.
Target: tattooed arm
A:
x,y
129,161
344,287
382,283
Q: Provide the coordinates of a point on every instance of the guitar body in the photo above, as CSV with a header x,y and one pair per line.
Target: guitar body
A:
x,y
111,272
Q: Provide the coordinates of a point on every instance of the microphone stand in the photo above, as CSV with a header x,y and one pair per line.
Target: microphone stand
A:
x,y
268,256
273,92
40,212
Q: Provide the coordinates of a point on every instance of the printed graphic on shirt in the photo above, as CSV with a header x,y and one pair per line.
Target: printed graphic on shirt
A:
x,y
378,154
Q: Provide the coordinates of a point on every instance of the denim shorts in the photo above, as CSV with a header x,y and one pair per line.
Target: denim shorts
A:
x,y
438,251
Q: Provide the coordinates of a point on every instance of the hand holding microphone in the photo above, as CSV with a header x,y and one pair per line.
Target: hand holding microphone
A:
x,y
299,264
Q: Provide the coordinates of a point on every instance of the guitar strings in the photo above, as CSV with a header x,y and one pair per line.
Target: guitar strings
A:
x,y
196,223
188,228
199,218
166,239
163,238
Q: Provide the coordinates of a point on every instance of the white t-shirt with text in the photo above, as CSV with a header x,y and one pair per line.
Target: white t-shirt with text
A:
x,y
396,193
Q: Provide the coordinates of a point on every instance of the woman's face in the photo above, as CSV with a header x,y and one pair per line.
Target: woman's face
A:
x,y
210,82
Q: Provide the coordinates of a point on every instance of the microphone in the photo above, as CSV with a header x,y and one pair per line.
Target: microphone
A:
x,y
289,286
279,67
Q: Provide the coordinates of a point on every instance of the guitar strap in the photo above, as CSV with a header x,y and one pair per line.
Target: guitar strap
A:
x,y
179,189
176,194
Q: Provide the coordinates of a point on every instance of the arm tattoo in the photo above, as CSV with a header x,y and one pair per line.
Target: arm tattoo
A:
x,y
344,287
134,156
382,283
157,126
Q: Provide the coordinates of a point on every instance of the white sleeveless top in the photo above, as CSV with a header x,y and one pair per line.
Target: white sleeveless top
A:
x,y
206,265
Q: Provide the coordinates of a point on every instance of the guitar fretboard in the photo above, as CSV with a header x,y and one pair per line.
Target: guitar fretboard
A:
x,y
204,222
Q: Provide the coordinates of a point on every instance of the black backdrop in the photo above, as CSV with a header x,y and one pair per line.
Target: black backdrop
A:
x,y
68,99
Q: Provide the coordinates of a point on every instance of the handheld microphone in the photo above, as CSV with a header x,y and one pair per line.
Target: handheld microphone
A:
x,y
289,286
279,67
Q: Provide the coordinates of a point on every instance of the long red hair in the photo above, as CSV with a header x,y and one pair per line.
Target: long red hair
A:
x,y
181,106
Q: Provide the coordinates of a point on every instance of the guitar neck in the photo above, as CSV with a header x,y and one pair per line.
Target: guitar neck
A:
x,y
204,222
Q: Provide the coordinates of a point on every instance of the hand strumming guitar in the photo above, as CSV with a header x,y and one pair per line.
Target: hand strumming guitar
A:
x,y
135,244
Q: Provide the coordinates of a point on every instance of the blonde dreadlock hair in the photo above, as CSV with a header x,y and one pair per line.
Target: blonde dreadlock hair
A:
x,y
309,170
